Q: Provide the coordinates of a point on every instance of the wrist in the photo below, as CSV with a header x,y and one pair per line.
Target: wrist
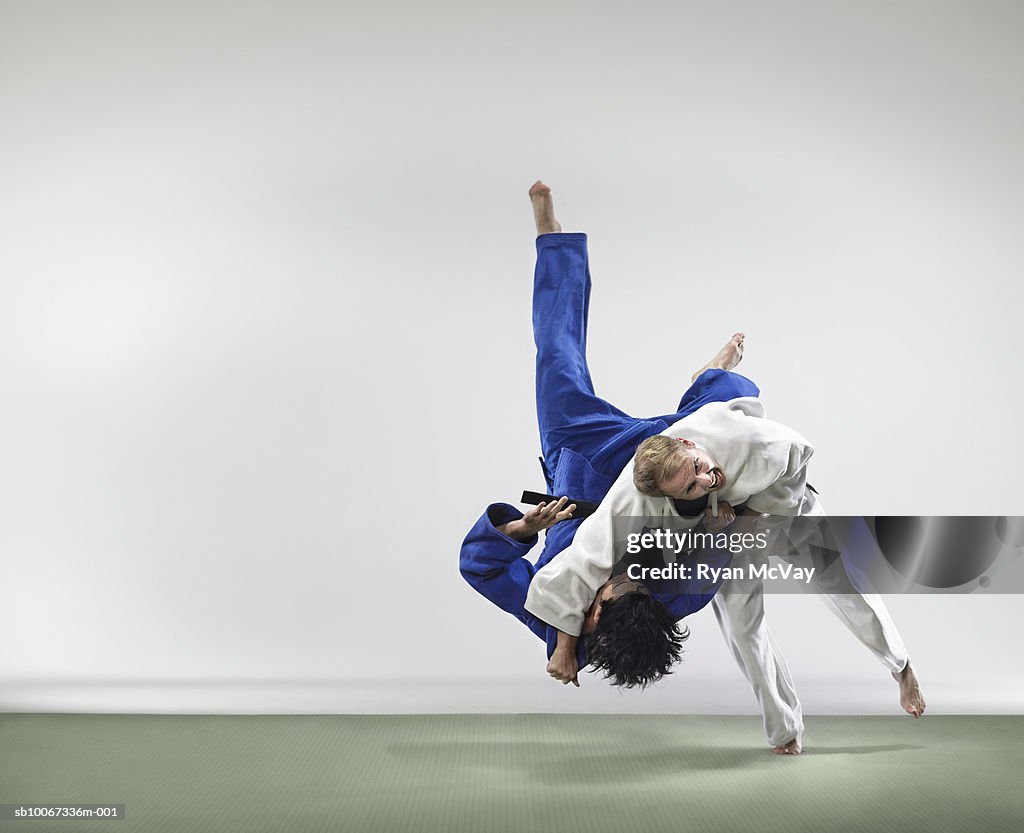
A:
x,y
517,530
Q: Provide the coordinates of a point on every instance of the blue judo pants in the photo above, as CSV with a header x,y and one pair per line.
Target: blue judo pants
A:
x,y
569,413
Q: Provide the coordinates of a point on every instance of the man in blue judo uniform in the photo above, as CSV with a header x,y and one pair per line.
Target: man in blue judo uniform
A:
x,y
629,631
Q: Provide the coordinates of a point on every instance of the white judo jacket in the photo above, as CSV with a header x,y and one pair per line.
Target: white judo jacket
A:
x,y
765,464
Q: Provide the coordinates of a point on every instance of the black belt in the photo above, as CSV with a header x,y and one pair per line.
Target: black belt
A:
x,y
584,508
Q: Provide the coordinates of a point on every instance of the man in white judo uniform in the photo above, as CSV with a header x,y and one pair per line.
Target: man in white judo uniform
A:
x,y
732,452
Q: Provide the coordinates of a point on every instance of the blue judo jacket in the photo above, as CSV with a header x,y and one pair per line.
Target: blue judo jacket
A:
x,y
496,566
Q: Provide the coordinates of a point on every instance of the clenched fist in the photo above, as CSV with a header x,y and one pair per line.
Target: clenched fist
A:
x,y
564,667
726,515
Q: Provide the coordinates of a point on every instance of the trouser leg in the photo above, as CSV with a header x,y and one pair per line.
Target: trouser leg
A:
x,y
569,413
739,608
864,614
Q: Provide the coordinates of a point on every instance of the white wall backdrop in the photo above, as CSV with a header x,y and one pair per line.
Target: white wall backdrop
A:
x,y
265,347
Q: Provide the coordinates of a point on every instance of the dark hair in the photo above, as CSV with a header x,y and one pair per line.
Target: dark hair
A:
x,y
636,642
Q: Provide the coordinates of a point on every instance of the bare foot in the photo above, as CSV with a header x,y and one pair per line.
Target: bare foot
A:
x,y
911,699
727,358
543,209
791,748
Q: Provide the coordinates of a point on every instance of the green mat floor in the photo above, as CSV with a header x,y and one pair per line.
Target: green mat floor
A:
x,y
497,773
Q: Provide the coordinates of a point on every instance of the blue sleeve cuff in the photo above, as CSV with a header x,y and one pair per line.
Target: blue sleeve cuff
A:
x,y
494,564
501,513
486,549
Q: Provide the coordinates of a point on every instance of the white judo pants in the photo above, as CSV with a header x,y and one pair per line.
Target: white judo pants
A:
x,y
739,608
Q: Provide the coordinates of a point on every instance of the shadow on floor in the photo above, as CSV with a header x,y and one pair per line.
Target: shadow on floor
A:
x,y
552,763
861,750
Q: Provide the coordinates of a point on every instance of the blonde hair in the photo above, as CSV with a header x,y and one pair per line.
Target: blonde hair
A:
x,y
657,458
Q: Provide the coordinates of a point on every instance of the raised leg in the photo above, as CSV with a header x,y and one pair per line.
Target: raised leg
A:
x,y
569,413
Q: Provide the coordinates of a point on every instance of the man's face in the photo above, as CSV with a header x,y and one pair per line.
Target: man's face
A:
x,y
698,475
615,588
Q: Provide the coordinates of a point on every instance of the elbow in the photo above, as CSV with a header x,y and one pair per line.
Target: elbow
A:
x,y
466,567
466,570
473,572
